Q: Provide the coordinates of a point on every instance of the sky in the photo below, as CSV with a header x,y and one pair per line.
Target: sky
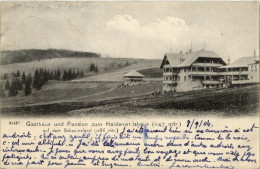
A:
x,y
132,29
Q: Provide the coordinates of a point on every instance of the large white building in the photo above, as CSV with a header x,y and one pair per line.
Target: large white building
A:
x,y
202,69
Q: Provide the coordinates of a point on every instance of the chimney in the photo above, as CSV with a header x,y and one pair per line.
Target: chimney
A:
x,y
181,52
180,60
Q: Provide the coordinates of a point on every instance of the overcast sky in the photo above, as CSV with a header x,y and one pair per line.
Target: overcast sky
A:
x,y
132,29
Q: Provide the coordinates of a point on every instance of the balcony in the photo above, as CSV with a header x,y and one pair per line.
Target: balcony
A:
x,y
207,64
203,73
243,81
234,73
169,73
169,82
215,82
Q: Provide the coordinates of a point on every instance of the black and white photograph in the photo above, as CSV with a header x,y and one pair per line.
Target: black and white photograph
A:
x,y
181,73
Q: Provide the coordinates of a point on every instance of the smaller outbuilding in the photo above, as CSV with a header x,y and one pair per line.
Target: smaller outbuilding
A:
x,y
133,78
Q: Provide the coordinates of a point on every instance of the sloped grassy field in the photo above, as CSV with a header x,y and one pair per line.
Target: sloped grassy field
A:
x,y
210,102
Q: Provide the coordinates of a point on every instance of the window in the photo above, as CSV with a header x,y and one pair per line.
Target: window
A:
x,y
184,69
179,78
251,77
184,78
255,67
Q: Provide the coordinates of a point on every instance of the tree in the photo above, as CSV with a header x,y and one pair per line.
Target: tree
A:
x,y
65,75
19,85
81,73
96,69
36,79
28,87
13,91
7,85
70,74
5,77
18,73
92,67
2,90
23,78
58,75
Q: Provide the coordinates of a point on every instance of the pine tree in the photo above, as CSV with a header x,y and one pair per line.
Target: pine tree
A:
x,y
5,77
70,74
23,78
18,73
7,85
36,79
13,91
65,76
92,67
28,83
51,76
96,69
2,90
81,73
29,79
19,85
58,74
45,77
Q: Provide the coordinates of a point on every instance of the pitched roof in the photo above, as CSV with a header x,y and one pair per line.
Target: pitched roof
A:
x,y
189,58
242,62
133,73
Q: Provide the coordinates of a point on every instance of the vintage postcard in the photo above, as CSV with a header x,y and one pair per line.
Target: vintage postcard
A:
x,y
165,84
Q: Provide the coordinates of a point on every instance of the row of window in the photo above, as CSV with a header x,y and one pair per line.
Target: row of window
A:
x,y
254,68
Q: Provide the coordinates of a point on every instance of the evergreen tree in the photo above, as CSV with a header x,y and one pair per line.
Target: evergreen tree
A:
x,y
19,85
13,91
92,67
74,75
2,90
45,77
36,79
7,85
65,76
5,77
81,73
96,69
70,74
23,78
18,73
28,83
51,76
29,79
58,74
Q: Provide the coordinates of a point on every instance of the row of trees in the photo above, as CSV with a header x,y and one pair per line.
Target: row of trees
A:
x,y
41,77
71,74
17,85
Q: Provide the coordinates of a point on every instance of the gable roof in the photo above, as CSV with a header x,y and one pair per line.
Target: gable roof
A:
x,y
242,62
187,59
133,73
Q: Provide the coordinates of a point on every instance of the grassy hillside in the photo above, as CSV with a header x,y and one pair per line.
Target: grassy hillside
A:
x,y
152,72
230,102
27,55
210,102
105,65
